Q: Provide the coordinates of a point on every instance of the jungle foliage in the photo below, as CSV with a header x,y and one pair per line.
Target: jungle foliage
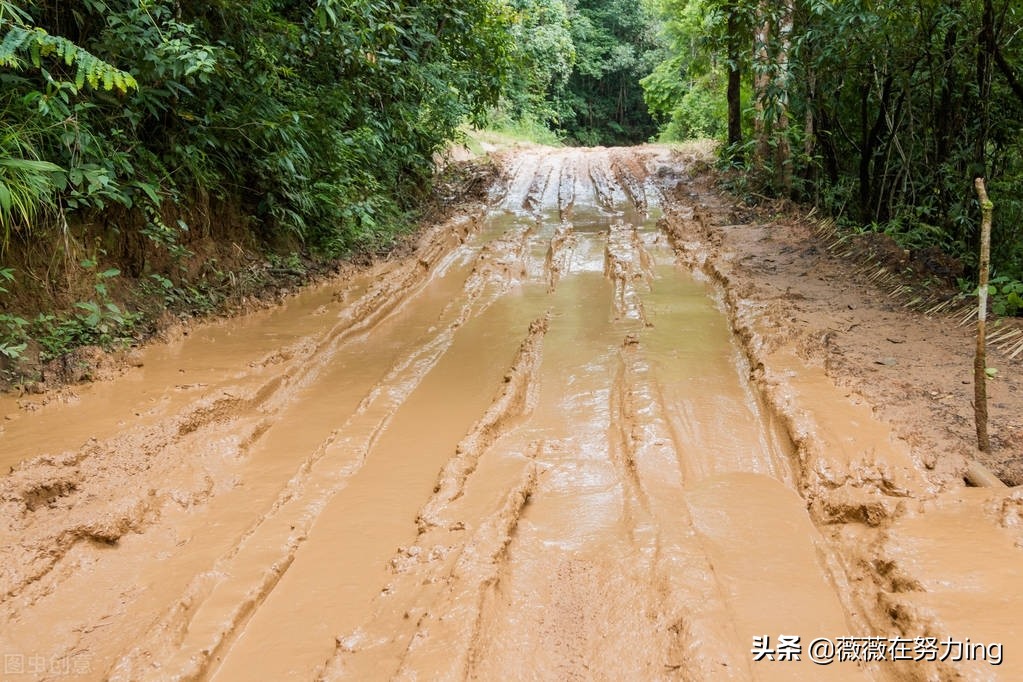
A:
x,y
880,112
132,131
578,70
315,121
318,119
616,48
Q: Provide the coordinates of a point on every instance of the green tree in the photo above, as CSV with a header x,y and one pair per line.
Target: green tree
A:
x,y
697,91
543,55
881,112
317,119
28,182
616,47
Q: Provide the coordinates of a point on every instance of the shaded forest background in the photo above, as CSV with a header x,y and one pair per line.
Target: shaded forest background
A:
x,y
156,155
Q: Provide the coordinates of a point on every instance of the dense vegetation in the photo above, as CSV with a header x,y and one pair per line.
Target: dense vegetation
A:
x,y
578,68
615,49
319,119
881,113
127,126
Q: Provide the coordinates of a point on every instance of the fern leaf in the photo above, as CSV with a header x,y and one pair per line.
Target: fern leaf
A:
x,y
34,50
38,44
92,74
15,38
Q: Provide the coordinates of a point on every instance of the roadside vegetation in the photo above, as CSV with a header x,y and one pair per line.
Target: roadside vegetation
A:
x,y
162,150
880,114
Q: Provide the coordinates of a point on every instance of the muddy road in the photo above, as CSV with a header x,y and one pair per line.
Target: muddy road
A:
x,y
557,442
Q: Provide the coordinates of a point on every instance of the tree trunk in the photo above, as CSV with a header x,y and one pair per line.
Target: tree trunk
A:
x,y
734,86
870,139
944,114
762,83
980,358
783,150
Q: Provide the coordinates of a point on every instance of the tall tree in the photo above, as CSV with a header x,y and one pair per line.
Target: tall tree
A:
x,y
734,34
883,111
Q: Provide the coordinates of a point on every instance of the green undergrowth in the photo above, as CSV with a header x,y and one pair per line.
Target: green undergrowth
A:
x,y
119,311
53,308
937,264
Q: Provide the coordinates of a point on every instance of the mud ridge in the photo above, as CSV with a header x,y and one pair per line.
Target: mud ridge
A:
x,y
559,255
627,264
602,185
566,192
501,263
515,400
480,566
628,177
533,200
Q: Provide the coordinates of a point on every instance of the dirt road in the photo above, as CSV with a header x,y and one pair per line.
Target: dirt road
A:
x,y
564,439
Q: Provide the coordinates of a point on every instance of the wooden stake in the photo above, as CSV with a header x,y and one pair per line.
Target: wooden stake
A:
x,y
980,359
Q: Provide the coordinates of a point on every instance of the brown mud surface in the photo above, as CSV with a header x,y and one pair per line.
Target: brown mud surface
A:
x,y
604,426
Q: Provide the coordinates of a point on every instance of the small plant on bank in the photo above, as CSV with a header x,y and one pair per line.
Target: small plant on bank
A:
x,y
1006,296
98,321
12,327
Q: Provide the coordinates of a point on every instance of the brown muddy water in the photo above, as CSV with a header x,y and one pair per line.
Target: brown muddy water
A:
x,y
530,451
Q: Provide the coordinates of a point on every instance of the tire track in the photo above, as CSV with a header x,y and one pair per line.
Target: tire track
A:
x,y
566,191
701,639
447,551
516,399
238,414
217,603
627,175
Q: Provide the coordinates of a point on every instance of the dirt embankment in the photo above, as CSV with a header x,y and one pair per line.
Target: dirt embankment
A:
x,y
914,370
82,302
603,426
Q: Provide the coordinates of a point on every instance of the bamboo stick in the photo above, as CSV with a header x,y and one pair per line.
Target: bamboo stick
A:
x,y
980,358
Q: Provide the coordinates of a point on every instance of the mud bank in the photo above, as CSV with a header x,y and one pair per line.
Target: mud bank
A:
x,y
573,435
880,461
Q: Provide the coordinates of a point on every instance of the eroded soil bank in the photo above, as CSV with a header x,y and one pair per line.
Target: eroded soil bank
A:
x,y
604,426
